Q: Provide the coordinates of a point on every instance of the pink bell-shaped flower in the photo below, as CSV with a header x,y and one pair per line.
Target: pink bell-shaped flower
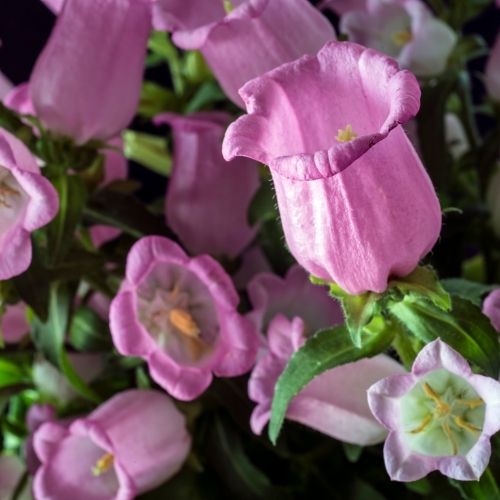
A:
x,y
355,201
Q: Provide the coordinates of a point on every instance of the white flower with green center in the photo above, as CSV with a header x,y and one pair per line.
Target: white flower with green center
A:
x,y
440,416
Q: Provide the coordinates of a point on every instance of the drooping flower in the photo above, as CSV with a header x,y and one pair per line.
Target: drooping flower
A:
x,y
405,30
440,417
180,315
14,325
491,308
130,444
492,72
28,201
242,39
334,403
355,201
87,80
203,187
293,295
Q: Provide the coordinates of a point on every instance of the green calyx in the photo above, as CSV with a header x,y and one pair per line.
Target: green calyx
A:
x,y
442,415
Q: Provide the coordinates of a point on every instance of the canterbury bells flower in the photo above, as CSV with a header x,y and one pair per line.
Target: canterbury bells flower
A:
x,y
180,315
130,444
440,417
28,201
355,201
241,39
87,80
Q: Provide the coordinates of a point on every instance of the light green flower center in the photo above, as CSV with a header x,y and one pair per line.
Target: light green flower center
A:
x,y
346,134
442,415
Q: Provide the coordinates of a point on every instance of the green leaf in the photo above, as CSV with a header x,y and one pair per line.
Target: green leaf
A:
x,y
468,290
61,231
484,489
148,150
88,332
423,282
422,486
208,94
325,350
465,329
12,374
359,311
49,336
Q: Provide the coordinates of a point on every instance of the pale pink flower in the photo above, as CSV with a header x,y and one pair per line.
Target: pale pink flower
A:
x,y
334,403
130,444
28,201
180,315
440,417
207,200
87,80
406,30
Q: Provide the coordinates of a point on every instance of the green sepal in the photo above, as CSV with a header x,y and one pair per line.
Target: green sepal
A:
x,y
484,489
88,332
465,329
325,350
423,283
148,150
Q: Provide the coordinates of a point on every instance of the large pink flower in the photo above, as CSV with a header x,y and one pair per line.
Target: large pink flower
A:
x,y
334,403
405,30
355,201
130,444
254,37
204,188
87,80
180,314
440,417
293,295
28,201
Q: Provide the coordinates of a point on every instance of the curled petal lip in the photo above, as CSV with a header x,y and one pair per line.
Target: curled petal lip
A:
x,y
241,140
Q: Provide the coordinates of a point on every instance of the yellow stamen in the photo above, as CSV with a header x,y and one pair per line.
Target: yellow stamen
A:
x,y
442,407
5,192
103,464
401,38
228,6
449,434
184,322
425,422
471,403
465,425
346,134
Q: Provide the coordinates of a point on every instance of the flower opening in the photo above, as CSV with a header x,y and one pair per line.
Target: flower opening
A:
x,y
103,465
175,307
442,415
